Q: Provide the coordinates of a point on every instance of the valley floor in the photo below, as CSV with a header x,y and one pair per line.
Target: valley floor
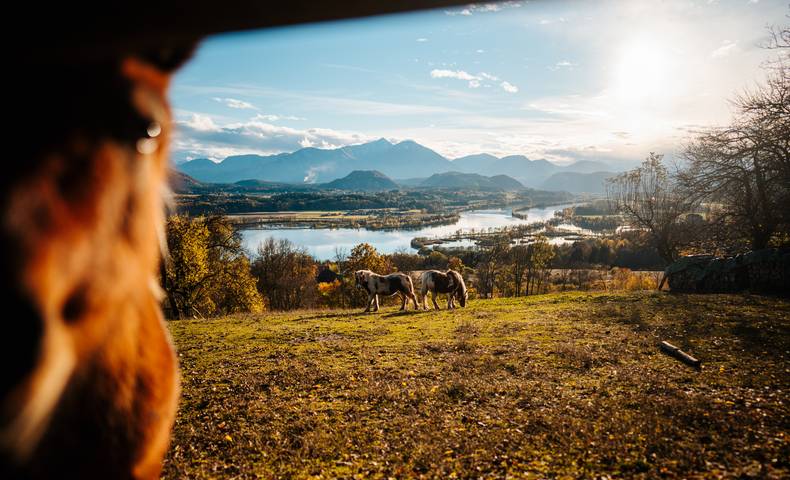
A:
x,y
561,385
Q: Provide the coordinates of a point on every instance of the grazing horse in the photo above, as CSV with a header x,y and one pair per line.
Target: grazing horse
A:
x,y
451,283
395,283
89,382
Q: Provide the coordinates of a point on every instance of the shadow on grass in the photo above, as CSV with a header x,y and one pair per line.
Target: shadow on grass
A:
x,y
404,313
701,318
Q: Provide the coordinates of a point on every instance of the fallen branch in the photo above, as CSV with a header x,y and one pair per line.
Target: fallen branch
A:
x,y
679,354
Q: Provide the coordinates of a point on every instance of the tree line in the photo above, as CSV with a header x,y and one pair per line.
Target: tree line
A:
x,y
208,272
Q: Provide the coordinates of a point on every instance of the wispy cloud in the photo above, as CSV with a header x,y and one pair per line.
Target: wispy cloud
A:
x,y
474,81
570,105
563,64
235,103
422,39
200,135
549,21
727,48
268,117
200,123
508,87
475,8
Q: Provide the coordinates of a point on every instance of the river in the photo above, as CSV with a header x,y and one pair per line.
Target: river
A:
x,y
323,242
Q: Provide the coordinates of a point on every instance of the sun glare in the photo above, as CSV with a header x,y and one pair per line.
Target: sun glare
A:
x,y
641,72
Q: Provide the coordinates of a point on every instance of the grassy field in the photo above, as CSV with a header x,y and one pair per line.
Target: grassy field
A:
x,y
553,386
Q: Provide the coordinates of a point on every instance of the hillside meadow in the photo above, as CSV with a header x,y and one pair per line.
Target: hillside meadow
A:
x,y
567,385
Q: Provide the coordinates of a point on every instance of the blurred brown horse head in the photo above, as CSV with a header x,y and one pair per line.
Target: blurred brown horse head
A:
x,y
89,383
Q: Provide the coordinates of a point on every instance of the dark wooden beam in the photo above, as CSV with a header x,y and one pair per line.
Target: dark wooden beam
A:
x,y
86,32
679,354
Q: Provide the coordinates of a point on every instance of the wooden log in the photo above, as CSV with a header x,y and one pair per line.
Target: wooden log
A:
x,y
679,354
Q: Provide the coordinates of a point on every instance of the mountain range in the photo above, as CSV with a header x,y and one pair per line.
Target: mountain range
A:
x,y
402,160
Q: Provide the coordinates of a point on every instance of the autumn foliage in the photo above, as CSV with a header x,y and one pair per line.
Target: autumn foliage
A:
x,y
206,272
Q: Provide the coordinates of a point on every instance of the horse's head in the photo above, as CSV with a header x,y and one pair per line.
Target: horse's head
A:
x,y
461,293
361,278
81,222
462,297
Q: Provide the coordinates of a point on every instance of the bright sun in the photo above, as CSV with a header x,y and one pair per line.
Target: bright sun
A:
x,y
641,72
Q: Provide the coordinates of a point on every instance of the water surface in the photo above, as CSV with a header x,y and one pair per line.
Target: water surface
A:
x,y
322,243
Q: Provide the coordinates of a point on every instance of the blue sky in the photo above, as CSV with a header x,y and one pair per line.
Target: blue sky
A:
x,y
561,80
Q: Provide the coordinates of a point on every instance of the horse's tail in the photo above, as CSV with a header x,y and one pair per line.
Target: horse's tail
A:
x,y
424,283
409,283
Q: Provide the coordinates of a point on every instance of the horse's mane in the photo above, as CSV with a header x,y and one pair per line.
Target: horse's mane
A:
x,y
458,278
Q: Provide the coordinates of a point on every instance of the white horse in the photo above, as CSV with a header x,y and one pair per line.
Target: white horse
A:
x,y
395,283
451,283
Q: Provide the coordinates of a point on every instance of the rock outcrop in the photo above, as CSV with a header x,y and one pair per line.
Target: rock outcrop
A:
x,y
766,271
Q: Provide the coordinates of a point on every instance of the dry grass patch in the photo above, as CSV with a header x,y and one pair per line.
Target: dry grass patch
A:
x,y
548,386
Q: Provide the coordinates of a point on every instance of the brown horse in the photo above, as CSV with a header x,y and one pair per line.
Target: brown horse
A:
x,y
451,283
89,384
375,285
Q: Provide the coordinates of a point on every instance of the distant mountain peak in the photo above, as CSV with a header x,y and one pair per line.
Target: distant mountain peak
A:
x,y
363,180
473,181
366,173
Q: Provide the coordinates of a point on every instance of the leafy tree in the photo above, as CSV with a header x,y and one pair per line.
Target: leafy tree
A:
x,y
365,257
285,275
436,260
403,261
206,272
455,263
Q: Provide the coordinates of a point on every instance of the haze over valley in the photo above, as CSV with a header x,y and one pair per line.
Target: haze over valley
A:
x,y
407,163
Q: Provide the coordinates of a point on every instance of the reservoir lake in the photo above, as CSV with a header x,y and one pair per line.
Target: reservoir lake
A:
x,y
322,243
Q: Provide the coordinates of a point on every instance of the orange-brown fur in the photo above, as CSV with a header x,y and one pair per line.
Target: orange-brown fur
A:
x,y
82,230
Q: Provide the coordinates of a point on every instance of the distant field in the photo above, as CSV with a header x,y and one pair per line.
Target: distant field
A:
x,y
303,215
562,385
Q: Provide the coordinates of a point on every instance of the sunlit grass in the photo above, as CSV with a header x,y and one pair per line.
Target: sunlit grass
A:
x,y
563,384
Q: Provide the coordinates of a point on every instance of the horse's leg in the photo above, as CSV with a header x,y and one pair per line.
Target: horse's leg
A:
x,y
450,303
414,299
376,302
433,298
403,301
370,302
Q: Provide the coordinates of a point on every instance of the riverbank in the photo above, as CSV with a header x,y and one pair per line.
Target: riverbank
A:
x,y
378,219
323,242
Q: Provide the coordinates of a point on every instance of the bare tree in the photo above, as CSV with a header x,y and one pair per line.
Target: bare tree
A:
x,y
540,255
744,168
518,259
489,267
649,199
779,38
